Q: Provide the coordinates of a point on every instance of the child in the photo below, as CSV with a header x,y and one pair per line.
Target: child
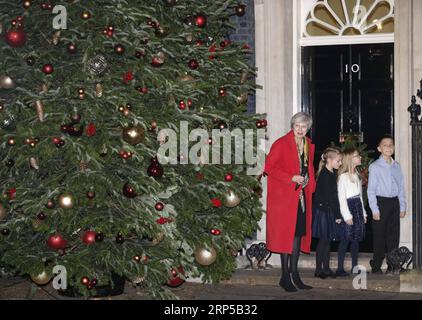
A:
x,y
352,228
387,200
326,210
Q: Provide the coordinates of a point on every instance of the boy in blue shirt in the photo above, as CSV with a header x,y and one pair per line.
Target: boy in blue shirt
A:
x,y
387,200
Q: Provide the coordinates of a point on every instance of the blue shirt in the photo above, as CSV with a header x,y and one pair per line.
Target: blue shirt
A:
x,y
385,180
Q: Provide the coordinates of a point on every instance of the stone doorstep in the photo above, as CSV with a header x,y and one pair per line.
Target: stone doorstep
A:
x,y
271,277
411,281
308,261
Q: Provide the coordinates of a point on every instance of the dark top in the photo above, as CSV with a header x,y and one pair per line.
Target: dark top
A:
x,y
326,196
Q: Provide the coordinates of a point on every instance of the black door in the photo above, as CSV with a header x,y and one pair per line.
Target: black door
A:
x,y
349,90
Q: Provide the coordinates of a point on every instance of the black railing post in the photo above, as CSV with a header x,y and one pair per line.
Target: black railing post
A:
x,y
416,123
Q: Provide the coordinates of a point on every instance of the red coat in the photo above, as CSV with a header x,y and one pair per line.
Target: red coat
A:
x,y
281,164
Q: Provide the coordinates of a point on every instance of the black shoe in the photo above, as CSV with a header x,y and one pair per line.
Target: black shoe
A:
x,y
342,273
389,271
375,269
286,283
298,282
329,274
320,275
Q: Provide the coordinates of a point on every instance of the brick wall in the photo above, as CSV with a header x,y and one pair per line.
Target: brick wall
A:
x,y
245,33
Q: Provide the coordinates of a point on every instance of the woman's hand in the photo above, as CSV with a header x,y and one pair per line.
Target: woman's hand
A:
x,y
298,179
338,221
366,220
350,222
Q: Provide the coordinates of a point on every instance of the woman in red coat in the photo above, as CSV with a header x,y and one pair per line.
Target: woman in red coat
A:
x,y
291,183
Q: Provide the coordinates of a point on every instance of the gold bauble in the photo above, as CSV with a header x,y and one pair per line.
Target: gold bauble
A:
x,y
86,15
133,135
3,212
66,201
41,279
231,199
205,257
7,82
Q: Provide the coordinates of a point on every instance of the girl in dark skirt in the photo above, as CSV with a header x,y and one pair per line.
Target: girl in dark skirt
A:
x,y
326,210
352,228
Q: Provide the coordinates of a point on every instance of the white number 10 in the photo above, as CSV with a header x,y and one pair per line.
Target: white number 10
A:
x,y
355,68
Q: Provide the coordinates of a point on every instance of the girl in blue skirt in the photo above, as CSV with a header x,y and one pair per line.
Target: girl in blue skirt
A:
x,y
352,229
326,210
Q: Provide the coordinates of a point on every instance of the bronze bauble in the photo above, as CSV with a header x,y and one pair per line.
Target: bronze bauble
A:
x,y
133,135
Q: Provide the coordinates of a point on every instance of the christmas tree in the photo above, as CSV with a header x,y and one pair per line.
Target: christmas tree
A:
x,y
86,88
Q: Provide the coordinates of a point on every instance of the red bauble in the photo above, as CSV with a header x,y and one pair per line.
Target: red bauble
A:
x,y
222,92
228,177
48,69
264,123
175,279
41,216
15,38
85,281
71,48
155,170
119,49
56,242
159,206
258,124
91,130
129,191
182,105
240,10
215,232
89,237
11,193
90,195
200,20
143,90
193,64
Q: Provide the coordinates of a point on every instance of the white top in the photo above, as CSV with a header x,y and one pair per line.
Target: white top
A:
x,y
349,189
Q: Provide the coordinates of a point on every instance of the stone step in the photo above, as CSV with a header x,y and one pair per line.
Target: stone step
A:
x,y
271,277
308,261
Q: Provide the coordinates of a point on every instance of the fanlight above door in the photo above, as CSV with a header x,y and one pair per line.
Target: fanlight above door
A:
x,y
350,17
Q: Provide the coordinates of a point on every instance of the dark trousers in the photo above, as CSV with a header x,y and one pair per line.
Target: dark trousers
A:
x,y
387,230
